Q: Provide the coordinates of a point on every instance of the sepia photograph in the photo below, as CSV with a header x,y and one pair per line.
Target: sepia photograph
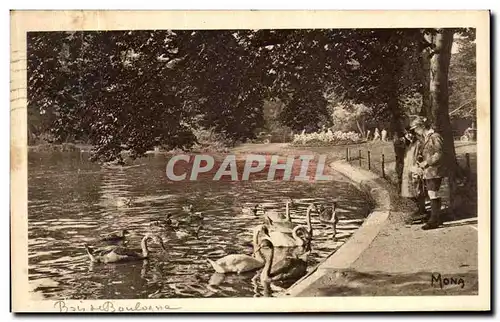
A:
x,y
238,161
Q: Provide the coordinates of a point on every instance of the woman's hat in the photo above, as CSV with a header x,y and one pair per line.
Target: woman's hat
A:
x,y
417,121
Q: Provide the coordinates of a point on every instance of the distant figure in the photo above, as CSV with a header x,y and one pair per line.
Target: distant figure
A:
x,y
384,135
469,134
368,134
376,135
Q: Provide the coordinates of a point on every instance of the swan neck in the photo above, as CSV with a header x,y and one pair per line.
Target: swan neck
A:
x,y
91,256
268,263
144,246
295,236
308,218
255,237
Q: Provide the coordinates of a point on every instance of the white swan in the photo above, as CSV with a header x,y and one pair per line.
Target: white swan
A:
x,y
277,217
236,263
282,239
240,263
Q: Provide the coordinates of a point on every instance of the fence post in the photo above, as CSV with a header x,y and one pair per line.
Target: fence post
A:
x,y
467,162
359,152
369,162
383,166
347,154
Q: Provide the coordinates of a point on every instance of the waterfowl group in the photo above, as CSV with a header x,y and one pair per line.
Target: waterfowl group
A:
x,y
276,231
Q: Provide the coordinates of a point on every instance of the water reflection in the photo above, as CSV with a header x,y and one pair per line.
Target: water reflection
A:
x,y
73,202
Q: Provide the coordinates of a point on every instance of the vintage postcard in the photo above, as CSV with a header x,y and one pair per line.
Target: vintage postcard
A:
x,y
250,161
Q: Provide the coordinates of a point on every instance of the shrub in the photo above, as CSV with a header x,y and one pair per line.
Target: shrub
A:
x,y
327,138
210,141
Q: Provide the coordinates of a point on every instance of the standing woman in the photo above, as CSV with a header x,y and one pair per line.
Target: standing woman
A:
x,y
412,186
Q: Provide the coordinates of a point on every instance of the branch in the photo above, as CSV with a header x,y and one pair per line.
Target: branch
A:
x,y
461,106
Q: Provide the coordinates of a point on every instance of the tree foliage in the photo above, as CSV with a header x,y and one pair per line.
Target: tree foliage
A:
x,y
463,81
134,90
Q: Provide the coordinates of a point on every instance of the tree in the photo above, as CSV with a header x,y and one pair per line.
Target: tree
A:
x,y
350,117
437,52
134,90
370,67
298,81
383,70
105,86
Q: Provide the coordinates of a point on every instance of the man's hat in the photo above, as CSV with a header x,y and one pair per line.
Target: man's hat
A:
x,y
417,121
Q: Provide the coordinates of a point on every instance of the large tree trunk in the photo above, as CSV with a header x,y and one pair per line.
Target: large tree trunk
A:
x,y
439,67
396,129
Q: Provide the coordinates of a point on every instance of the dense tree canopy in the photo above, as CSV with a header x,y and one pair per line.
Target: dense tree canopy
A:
x,y
134,90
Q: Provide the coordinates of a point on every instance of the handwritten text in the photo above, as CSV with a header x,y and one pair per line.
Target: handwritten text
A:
x,y
111,307
446,281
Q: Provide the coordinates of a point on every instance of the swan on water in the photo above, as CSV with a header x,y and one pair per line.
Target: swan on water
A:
x,y
329,216
278,221
286,269
241,263
281,239
123,254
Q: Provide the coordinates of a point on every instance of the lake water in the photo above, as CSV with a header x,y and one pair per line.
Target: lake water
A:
x,y
73,202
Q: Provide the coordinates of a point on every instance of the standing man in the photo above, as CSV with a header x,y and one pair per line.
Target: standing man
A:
x,y
432,166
